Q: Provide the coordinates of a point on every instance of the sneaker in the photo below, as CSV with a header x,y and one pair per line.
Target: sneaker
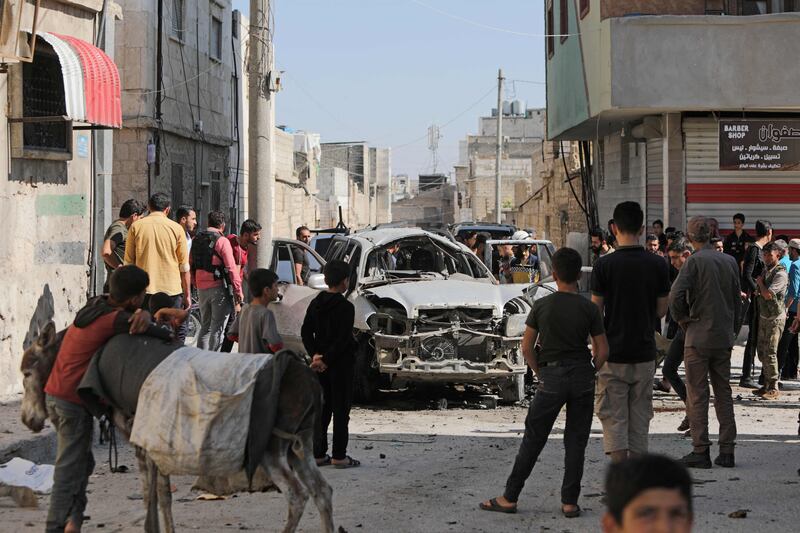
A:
x,y
760,391
697,460
684,425
748,383
725,460
662,385
771,394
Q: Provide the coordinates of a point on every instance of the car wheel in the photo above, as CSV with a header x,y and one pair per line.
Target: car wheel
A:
x,y
367,378
512,390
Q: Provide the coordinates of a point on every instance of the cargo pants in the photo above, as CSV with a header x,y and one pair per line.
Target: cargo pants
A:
x,y
769,337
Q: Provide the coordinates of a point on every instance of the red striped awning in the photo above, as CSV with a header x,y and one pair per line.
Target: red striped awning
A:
x,y
91,81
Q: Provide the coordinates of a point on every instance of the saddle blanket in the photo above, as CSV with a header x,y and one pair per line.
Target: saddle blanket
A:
x,y
193,412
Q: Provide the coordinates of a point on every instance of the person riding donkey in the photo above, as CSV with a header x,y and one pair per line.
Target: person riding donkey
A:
x,y
96,323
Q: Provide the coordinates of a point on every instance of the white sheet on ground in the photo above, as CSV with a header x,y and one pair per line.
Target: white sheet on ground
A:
x,y
193,412
20,472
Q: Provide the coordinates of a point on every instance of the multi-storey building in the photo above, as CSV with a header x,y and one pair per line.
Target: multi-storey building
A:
x,y
177,61
61,98
690,106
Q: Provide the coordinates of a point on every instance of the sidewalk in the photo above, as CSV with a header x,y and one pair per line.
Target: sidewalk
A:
x,y
18,441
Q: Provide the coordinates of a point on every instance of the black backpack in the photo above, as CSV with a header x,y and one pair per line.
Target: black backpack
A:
x,y
203,252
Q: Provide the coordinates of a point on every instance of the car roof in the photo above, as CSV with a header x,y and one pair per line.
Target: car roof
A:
x,y
380,237
518,241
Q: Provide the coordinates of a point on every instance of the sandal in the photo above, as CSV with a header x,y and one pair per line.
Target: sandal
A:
x,y
324,461
572,514
497,508
351,463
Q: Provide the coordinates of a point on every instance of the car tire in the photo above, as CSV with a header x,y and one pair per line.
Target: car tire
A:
x,y
367,378
512,390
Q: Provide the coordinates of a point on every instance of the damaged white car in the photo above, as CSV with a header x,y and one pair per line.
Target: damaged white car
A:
x,y
427,309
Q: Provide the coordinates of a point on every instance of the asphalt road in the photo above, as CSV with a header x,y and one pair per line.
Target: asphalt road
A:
x,y
425,470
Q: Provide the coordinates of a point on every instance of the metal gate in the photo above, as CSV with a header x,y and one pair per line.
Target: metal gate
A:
x,y
655,181
769,195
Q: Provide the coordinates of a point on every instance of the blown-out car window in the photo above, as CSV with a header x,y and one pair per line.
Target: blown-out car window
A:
x,y
283,264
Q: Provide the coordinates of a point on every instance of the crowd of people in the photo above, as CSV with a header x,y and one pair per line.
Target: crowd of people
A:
x,y
703,287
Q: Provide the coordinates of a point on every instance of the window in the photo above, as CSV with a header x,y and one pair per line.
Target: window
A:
x,y
625,163
216,191
43,96
177,185
584,7
178,22
563,15
551,30
283,264
215,40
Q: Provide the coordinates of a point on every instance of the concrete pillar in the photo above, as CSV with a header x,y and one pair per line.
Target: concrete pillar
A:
x,y
674,179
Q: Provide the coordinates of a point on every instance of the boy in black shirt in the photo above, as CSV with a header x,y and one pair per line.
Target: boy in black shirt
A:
x,y
563,322
328,337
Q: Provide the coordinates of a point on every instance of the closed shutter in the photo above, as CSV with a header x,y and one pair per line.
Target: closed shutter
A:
x,y
655,181
768,195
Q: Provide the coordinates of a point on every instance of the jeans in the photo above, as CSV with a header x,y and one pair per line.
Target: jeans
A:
x,y
570,385
177,303
74,463
337,398
702,365
748,363
672,362
787,350
216,305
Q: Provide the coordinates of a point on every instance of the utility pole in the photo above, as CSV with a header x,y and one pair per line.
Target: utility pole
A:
x,y
261,129
498,202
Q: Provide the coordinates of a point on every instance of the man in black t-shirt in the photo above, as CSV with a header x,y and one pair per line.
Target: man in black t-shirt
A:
x,y
630,287
752,269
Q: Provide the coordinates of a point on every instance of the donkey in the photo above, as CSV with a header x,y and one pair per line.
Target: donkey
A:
x,y
296,474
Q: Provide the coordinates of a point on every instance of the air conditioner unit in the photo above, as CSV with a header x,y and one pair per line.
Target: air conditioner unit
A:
x,y
14,37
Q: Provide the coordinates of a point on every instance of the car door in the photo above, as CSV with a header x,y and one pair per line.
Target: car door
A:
x,y
290,310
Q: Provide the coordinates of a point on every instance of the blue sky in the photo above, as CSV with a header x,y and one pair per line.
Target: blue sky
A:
x,y
384,70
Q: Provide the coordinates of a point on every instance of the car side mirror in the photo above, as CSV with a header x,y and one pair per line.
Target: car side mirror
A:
x,y
317,282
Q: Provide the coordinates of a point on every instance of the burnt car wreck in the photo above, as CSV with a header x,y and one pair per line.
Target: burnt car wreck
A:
x,y
427,310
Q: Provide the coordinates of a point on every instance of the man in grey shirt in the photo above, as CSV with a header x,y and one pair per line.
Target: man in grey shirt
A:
x,y
706,301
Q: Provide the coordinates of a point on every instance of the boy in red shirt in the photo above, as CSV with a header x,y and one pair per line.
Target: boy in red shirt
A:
x,y
102,318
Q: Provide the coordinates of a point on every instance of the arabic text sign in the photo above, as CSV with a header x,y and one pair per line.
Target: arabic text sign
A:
x,y
759,144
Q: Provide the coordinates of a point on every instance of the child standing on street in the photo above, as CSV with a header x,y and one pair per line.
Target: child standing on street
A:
x,y
562,322
100,319
328,337
254,327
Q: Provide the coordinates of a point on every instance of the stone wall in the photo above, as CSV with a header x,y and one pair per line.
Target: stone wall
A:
x,y
46,219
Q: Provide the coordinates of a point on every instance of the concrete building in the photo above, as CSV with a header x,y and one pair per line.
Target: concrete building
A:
x,y
433,206
522,138
369,170
55,198
553,210
180,144
685,109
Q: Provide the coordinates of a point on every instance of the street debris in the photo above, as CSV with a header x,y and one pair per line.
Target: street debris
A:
x,y
20,472
741,513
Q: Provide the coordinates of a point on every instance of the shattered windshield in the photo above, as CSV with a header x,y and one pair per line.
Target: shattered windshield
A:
x,y
517,262
414,257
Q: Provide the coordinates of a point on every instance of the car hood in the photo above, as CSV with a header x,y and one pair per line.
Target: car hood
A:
x,y
438,294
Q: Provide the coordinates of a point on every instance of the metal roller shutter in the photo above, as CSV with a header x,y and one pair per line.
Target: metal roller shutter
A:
x,y
769,195
655,181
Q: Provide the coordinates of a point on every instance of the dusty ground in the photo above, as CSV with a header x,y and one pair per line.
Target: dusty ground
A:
x,y
425,470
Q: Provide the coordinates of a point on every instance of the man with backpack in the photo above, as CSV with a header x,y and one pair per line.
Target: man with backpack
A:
x,y
218,281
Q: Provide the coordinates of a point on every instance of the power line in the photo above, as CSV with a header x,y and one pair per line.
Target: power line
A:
x,y
486,26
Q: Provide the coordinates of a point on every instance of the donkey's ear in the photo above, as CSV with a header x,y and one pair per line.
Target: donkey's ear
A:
x,y
47,335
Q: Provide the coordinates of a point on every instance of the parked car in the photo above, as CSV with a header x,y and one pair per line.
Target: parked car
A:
x,y
496,231
427,310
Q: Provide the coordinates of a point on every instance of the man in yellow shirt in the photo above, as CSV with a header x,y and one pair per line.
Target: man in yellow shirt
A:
x,y
158,246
